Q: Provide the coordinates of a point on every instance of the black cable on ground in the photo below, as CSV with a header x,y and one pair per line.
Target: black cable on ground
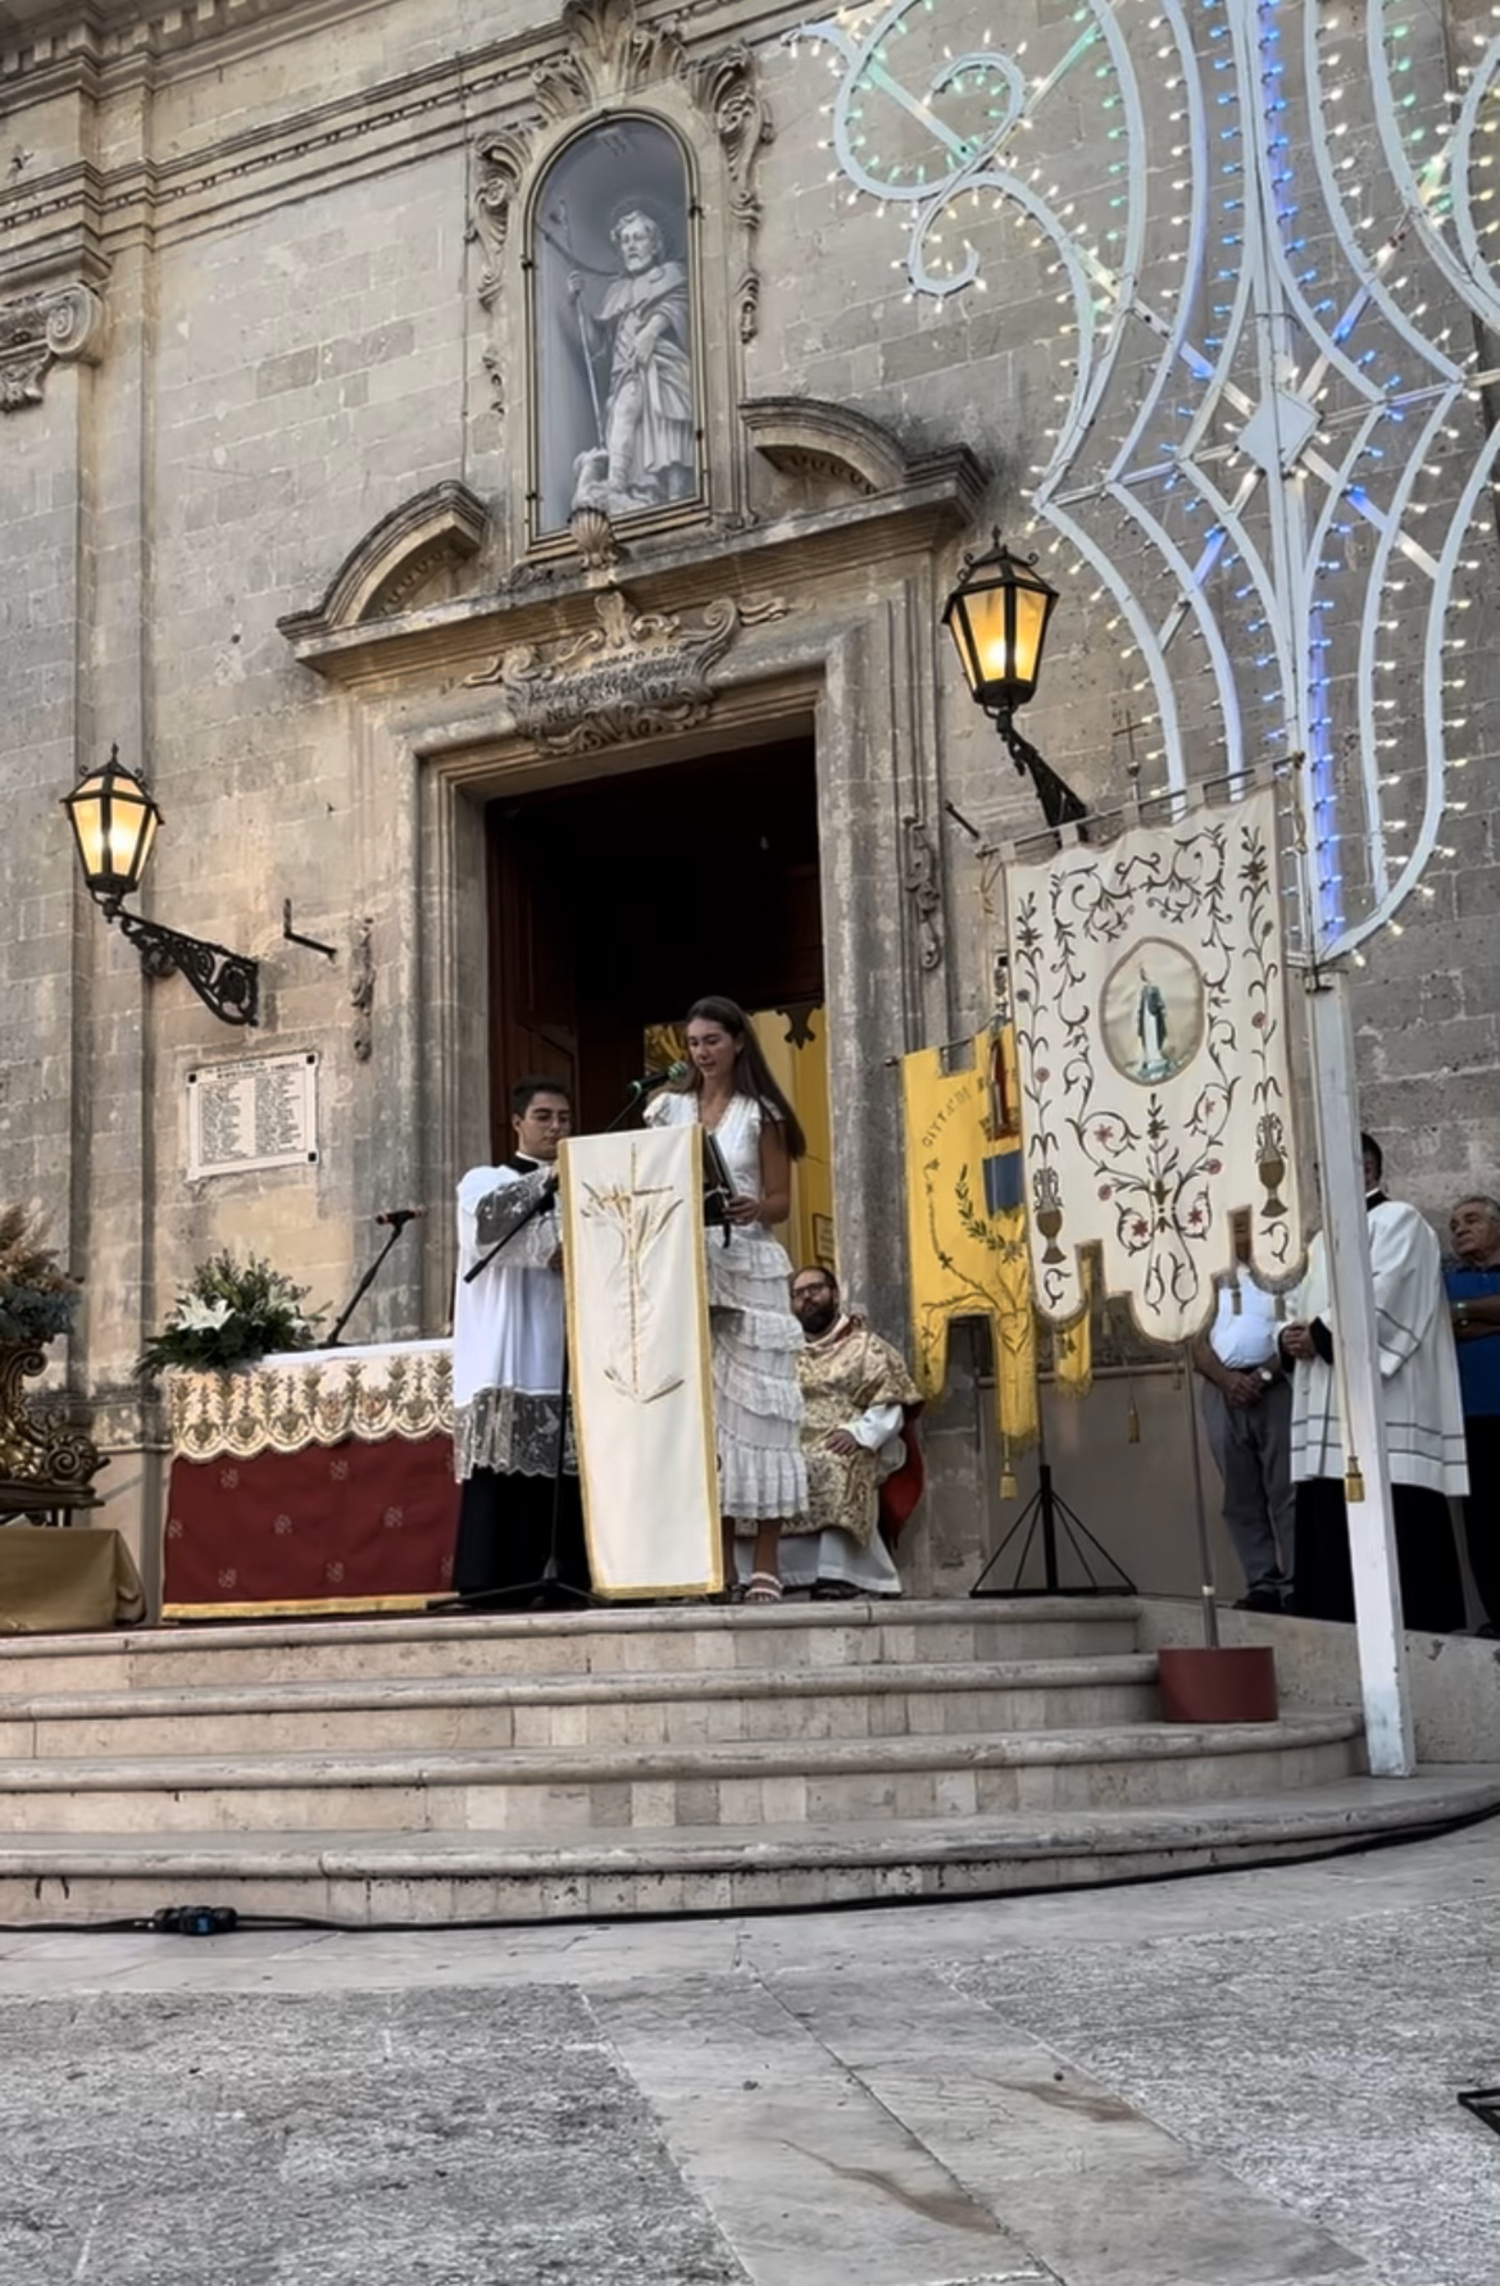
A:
x,y
175,1920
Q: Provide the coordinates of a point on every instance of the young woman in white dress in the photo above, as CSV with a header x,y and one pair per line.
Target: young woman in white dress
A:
x,y
755,1338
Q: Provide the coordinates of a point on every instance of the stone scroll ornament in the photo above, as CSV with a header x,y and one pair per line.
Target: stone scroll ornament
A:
x,y
1152,1046
38,331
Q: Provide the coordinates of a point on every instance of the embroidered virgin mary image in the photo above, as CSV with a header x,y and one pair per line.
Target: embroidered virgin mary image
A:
x,y
616,423
1151,1019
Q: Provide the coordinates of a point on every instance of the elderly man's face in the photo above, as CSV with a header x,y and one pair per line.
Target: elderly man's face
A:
x,y
815,1301
1474,1231
637,241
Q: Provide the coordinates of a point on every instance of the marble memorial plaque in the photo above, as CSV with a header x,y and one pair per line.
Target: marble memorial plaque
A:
x,y
256,1112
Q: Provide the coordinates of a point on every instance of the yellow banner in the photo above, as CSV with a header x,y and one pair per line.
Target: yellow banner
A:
x,y
966,1229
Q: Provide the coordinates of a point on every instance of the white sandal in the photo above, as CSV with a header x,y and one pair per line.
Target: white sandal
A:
x,y
763,1587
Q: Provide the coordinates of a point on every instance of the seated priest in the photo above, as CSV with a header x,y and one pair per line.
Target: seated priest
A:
x,y
864,1468
510,1451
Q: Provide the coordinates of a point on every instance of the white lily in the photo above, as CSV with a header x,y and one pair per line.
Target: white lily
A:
x,y
197,1316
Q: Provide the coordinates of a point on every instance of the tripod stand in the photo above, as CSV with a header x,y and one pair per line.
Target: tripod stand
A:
x,y
1044,1514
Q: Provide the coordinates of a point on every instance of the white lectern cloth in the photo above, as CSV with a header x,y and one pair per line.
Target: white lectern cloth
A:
x,y
638,1343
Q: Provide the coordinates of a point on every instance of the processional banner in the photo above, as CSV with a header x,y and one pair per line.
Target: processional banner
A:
x,y
966,1229
632,1220
1148,980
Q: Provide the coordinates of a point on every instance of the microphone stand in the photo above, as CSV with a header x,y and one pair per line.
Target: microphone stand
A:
x,y
551,1582
399,1221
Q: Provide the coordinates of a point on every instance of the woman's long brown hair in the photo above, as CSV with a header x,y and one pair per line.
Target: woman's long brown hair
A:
x,y
752,1074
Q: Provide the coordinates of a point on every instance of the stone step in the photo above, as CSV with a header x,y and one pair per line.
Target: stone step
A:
x,y
364,1879
691,1707
513,1645
741,1784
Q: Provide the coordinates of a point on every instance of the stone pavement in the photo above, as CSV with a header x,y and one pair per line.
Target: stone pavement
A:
x,y
1241,2080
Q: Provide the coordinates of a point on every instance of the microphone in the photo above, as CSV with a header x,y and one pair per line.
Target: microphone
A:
x,y
651,1081
399,1217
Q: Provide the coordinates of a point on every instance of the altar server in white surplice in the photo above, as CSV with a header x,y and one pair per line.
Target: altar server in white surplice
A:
x,y
509,1342
1424,1422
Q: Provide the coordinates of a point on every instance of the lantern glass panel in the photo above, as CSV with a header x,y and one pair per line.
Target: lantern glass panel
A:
x,y
114,823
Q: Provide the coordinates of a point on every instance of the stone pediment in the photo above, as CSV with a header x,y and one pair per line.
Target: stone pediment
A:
x,y
872,502
836,447
384,572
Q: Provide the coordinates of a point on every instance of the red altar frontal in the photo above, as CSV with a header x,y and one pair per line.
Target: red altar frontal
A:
x,y
316,1482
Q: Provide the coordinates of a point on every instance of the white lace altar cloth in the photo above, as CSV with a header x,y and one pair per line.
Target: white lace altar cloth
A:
x,y
284,1403
1148,981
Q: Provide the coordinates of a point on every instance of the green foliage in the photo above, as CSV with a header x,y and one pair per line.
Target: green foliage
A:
x,y
231,1313
37,1297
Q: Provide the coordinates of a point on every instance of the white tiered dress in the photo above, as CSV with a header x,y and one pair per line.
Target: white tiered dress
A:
x,y
755,1338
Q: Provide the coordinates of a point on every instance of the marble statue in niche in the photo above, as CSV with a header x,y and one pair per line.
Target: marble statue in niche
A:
x,y
617,420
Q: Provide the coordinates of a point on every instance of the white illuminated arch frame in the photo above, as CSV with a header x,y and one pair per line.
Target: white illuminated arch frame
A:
x,y
1271,249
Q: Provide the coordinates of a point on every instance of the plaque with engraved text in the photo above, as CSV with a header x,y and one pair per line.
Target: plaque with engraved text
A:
x,y
253,1113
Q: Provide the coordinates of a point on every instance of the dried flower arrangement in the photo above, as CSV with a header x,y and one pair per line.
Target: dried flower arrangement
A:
x,y
37,1296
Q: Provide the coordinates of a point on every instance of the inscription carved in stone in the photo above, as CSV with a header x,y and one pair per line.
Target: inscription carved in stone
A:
x,y
635,675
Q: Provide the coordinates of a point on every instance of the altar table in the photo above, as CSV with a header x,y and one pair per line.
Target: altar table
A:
x,y
315,1482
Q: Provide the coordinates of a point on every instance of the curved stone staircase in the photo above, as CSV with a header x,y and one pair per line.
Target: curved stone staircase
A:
x,y
644,1761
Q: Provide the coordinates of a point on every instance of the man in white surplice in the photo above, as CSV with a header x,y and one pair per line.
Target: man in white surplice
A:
x,y
509,1340
1424,1424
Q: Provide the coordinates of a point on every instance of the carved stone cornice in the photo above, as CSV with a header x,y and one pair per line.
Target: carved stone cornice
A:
x,y
934,497
38,331
637,674
610,53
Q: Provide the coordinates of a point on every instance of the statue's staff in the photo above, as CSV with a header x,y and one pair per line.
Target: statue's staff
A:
x,y
561,242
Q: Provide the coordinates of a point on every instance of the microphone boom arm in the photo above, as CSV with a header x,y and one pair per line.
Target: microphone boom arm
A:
x,y
366,1282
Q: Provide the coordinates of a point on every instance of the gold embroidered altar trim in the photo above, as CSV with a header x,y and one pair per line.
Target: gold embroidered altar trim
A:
x,y
285,1407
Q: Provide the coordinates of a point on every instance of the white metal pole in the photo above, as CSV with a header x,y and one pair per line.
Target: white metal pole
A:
x,y
1372,1532
1367,1483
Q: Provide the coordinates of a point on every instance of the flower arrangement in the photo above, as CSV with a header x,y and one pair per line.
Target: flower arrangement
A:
x,y
37,1297
231,1313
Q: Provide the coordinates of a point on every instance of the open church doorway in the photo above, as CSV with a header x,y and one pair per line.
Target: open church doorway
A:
x,y
617,901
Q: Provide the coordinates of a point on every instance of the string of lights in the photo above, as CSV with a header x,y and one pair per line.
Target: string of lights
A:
x,y
1263,241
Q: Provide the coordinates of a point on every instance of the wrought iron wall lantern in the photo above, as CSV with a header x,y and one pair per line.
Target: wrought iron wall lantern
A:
x,y
998,616
114,821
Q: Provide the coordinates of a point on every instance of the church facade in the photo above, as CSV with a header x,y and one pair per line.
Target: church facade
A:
x,y
496,476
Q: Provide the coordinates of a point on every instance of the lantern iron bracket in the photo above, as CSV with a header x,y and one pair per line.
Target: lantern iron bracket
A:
x,y
1060,805
226,982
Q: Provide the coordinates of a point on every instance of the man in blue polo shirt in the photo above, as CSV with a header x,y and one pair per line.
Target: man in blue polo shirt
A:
x,y
1473,1283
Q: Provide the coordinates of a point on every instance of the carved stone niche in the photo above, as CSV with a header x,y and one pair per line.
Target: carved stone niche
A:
x,y
608,54
385,571
38,331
